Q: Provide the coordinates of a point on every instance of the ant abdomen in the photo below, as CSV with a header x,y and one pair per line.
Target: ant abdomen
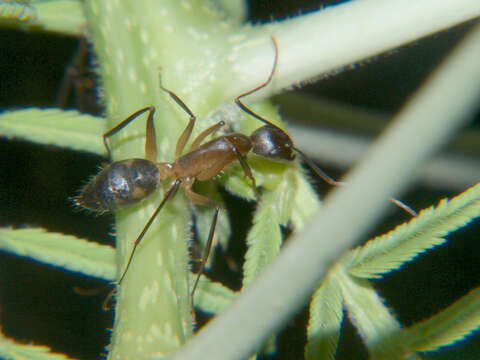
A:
x,y
120,184
273,143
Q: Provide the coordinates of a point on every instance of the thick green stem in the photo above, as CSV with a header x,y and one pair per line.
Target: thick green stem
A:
x,y
132,39
192,44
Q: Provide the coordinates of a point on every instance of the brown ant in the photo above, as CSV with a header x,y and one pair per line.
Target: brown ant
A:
x,y
125,182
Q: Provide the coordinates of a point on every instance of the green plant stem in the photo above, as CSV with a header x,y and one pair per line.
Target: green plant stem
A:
x,y
336,37
192,43
153,310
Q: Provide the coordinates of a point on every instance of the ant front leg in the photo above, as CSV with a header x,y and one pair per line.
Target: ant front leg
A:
x,y
259,87
246,168
150,142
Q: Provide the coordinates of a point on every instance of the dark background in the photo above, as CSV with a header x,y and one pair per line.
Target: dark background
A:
x,y
38,304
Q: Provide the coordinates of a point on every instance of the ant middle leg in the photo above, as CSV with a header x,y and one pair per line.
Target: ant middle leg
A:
x,y
202,200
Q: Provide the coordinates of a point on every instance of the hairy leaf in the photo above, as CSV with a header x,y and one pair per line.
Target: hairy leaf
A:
x,y
375,323
53,126
451,325
17,12
65,251
212,297
306,202
62,16
390,251
325,323
11,350
264,238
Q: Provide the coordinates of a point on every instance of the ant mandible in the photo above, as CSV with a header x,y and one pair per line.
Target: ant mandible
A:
x,y
126,182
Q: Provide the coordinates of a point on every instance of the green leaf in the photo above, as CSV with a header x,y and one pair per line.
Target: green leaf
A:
x,y
325,323
285,192
264,239
65,251
62,16
212,297
374,322
52,126
448,327
239,185
305,203
17,12
11,350
390,251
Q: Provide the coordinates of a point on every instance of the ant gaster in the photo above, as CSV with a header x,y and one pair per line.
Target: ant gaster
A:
x,y
123,183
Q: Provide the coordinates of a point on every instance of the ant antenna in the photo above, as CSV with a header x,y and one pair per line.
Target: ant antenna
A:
x,y
321,174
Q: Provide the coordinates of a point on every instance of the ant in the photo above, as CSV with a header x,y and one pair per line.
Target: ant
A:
x,y
125,182
79,81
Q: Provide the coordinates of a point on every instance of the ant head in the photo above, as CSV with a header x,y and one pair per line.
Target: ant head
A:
x,y
273,143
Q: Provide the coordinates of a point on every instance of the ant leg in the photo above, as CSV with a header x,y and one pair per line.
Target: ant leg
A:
x,y
124,123
404,207
202,200
212,129
182,140
261,86
66,86
329,180
247,171
72,83
246,168
319,172
151,139
168,195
